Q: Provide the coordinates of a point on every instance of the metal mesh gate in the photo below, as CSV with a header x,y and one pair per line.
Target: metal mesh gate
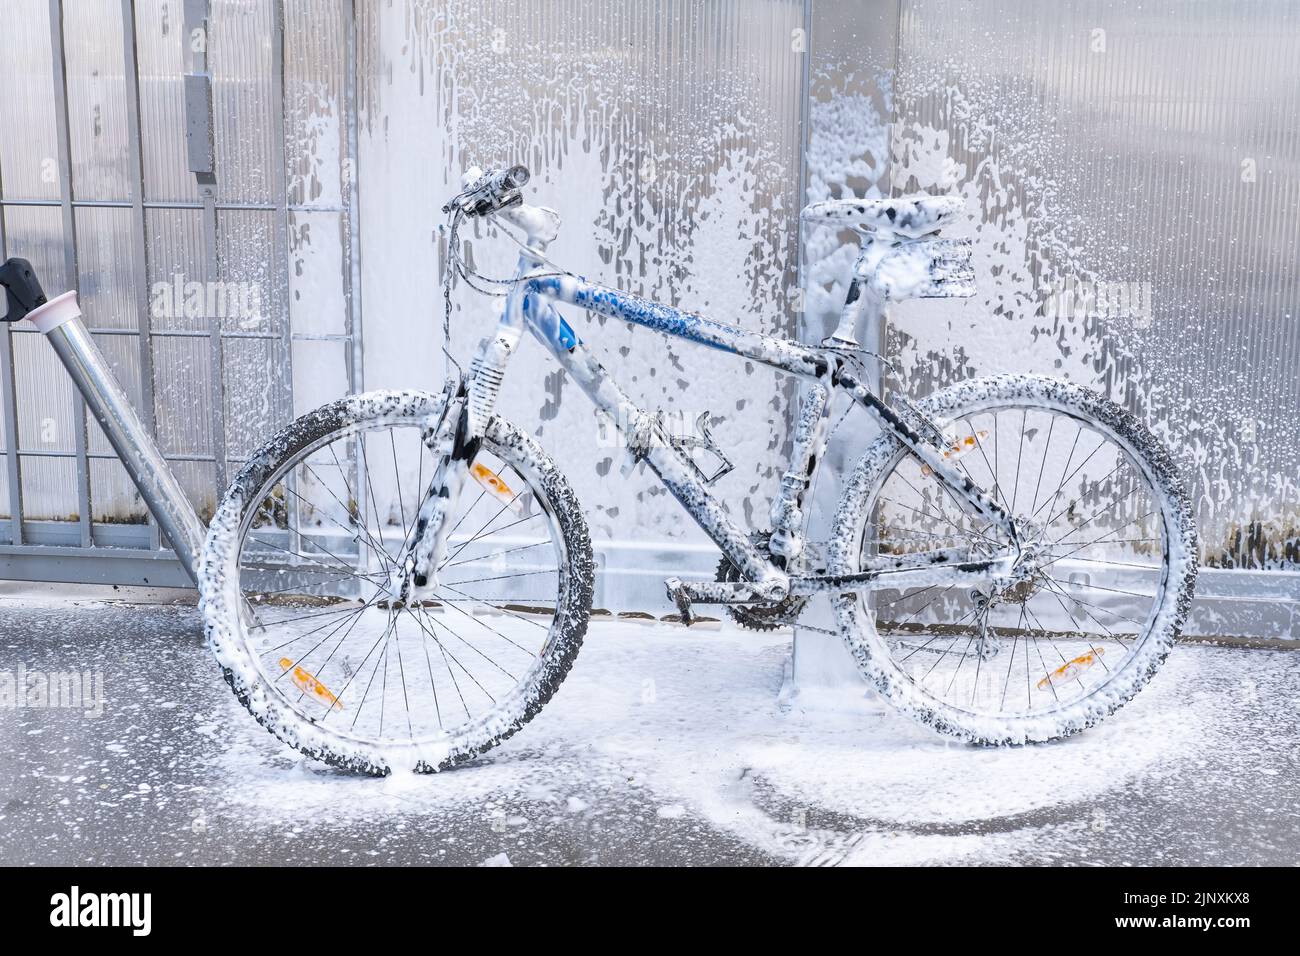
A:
x,y
189,167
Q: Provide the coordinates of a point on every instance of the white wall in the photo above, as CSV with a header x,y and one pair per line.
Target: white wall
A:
x,y
669,145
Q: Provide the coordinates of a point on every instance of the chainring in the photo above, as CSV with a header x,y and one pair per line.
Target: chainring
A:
x,y
764,616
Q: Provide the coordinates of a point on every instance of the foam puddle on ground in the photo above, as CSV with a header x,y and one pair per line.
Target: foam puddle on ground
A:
x,y
691,720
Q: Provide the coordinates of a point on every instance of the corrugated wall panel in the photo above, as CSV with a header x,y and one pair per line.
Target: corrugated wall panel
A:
x,y
667,135
139,232
1132,175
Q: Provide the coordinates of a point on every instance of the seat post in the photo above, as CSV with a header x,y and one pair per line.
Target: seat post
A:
x,y
861,316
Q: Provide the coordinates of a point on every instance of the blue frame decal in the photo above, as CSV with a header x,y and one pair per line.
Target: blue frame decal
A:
x,y
780,353
554,330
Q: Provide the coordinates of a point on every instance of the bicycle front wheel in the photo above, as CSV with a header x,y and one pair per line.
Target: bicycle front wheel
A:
x,y
295,574
1098,603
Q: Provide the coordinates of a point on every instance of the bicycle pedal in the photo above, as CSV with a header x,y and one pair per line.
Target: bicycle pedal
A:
x,y
677,592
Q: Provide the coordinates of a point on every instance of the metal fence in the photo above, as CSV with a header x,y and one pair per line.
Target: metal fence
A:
x,y
202,269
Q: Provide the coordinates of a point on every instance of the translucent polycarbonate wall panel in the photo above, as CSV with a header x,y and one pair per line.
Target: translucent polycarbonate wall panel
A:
x,y
36,233
253,409
49,488
174,249
253,316
182,383
1132,178
28,167
98,194
96,82
667,136
241,57
45,395
315,111
161,47
247,301
114,498
106,268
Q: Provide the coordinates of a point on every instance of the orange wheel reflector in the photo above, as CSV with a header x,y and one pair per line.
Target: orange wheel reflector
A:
x,y
959,447
306,682
1071,669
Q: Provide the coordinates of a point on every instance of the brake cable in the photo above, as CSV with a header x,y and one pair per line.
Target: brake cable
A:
x,y
456,267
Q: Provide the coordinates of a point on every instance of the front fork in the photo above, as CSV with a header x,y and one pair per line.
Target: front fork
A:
x,y
454,443
450,442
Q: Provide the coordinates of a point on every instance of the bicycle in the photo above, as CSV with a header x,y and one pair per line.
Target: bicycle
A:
x,y
420,634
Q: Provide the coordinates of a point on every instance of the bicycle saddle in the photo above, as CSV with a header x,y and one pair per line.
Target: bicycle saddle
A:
x,y
910,217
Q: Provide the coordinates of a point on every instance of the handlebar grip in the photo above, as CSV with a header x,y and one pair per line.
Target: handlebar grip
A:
x,y
22,290
487,192
516,177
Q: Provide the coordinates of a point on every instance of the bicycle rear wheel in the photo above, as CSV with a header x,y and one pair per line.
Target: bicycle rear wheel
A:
x,y
1099,605
295,589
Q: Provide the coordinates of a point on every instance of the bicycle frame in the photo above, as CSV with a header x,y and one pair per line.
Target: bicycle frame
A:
x,y
529,307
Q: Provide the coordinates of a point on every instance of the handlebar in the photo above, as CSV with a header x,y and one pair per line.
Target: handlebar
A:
x,y
488,192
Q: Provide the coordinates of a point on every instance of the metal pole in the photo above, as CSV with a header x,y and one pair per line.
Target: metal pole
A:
x,y
60,320
9,408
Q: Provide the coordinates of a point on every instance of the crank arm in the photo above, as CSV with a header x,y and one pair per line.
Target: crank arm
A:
x,y
724,592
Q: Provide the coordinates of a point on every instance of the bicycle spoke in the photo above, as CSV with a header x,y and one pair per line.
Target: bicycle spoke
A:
x,y
493,630
502,577
307,557
335,625
497,554
419,612
997,488
1056,593
1006,685
1015,490
476,650
352,664
503,610
480,534
932,631
360,527
397,482
1043,464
